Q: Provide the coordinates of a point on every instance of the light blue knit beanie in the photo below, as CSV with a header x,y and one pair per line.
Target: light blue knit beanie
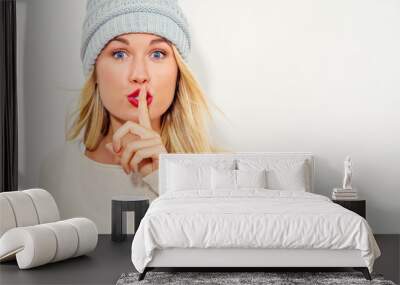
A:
x,y
106,19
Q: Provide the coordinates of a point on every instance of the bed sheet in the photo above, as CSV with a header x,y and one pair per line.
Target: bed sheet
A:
x,y
250,218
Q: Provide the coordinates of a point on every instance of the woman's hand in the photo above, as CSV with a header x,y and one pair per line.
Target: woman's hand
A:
x,y
137,146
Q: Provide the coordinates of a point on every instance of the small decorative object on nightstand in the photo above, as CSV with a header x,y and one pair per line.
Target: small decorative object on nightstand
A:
x,y
348,173
347,192
358,206
120,205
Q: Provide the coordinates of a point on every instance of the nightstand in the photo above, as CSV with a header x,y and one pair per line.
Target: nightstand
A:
x,y
358,206
122,204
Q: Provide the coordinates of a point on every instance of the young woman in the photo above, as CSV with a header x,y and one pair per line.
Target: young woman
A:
x,y
140,99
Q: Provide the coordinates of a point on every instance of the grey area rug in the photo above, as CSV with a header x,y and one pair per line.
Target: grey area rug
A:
x,y
273,278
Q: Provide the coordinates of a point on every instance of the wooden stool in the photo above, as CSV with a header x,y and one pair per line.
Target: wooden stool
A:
x,y
122,204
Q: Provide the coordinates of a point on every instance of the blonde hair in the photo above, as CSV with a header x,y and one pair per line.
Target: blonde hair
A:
x,y
184,126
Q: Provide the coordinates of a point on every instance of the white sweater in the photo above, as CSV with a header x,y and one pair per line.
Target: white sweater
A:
x,y
83,187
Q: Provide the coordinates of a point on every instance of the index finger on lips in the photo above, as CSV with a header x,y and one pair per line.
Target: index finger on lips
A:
x,y
144,117
133,128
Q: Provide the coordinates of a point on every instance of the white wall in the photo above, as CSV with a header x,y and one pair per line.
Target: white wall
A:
x,y
318,76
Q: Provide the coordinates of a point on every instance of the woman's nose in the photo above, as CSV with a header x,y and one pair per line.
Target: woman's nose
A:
x,y
139,73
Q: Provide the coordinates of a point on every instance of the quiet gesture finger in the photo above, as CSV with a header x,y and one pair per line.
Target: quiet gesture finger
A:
x,y
144,117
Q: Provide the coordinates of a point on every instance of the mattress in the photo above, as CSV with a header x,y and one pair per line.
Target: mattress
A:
x,y
250,219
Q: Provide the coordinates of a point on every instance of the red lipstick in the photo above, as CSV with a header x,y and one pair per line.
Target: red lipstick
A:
x,y
133,98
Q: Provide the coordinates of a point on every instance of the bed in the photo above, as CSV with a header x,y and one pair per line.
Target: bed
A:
x,y
242,210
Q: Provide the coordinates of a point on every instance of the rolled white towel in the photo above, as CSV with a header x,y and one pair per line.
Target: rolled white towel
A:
x,y
32,245
45,205
40,244
27,208
67,239
87,234
23,208
7,216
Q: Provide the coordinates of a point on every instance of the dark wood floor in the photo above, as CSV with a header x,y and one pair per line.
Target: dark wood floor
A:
x,y
110,260
389,262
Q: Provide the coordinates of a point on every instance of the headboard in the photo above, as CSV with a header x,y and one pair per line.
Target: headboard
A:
x,y
216,158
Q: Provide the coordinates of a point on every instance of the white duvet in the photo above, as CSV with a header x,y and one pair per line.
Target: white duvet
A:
x,y
250,218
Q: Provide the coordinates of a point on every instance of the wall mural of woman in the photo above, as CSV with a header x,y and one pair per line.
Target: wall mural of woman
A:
x,y
140,99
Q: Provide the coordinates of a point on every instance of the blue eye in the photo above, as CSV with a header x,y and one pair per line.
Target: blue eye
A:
x,y
159,54
119,54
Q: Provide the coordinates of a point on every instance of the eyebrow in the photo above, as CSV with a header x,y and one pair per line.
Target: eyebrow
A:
x,y
125,41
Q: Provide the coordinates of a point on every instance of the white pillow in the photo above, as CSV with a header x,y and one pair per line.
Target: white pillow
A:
x,y
282,174
251,178
236,179
182,177
287,179
223,179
